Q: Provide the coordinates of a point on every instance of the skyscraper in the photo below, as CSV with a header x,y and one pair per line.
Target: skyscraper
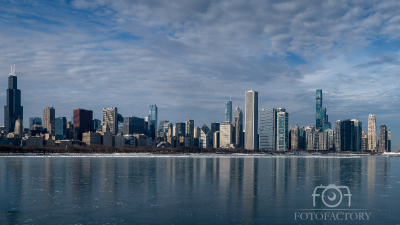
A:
x,y
205,137
110,117
60,128
13,110
348,135
321,118
382,138
189,132
189,128
372,137
152,121
357,135
251,120
228,111
49,115
225,134
238,127
364,142
267,129
389,141
82,122
282,129
133,125
338,135
294,134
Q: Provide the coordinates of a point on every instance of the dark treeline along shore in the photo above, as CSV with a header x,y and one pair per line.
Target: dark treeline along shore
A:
x,y
101,149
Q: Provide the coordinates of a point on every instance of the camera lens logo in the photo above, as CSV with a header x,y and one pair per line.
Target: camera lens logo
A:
x,y
332,195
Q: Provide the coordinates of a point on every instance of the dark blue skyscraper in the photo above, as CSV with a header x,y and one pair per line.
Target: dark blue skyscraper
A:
x,y
60,128
13,110
152,123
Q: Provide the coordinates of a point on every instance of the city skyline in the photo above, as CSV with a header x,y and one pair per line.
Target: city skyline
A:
x,y
91,54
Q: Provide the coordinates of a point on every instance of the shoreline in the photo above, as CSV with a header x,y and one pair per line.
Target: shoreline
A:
x,y
196,155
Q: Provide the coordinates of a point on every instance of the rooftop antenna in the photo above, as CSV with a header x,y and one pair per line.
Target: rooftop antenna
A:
x,y
230,97
14,71
51,104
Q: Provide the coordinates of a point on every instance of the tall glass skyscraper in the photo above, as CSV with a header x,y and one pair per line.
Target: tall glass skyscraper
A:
x,y
152,125
321,118
267,129
228,111
251,120
13,110
60,128
282,129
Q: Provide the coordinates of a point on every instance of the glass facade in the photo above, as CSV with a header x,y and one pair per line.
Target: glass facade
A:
x,y
152,119
228,111
35,121
61,128
321,118
282,132
133,125
96,124
13,110
180,129
267,129
348,135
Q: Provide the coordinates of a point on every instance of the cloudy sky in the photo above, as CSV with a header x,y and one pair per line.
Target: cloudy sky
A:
x,y
189,57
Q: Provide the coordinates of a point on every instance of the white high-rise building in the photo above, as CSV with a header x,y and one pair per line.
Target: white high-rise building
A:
x,y
372,137
225,134
110,118
251,120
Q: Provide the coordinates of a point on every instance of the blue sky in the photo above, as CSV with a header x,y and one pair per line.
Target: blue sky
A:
x,y
188,57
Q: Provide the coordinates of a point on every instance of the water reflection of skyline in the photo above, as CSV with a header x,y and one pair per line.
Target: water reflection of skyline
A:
x,y
250,187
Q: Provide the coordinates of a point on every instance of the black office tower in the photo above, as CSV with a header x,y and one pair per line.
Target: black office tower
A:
x,y
13,110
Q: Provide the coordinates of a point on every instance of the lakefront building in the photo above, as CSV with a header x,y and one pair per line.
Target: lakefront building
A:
x,y
49,116
251,120
228,111
110,118
372,137
13,110
267,129
238,127
282,129
152,121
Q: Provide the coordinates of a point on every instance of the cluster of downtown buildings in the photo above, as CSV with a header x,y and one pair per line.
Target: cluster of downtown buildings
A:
x,y
265,129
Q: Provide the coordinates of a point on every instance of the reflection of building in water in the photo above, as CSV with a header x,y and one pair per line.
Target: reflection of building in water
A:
x,y
224,181
203,169
248,187
371,179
